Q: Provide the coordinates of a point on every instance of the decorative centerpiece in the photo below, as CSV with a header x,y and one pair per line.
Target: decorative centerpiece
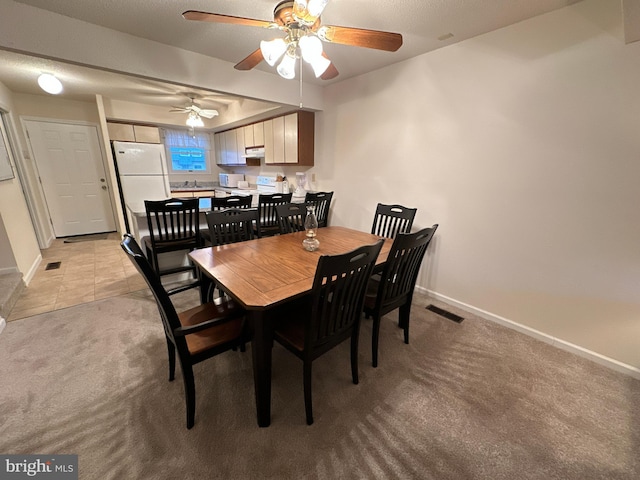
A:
x,y
311,243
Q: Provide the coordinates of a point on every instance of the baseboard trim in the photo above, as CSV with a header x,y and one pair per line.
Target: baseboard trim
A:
x,y
544,337
27,277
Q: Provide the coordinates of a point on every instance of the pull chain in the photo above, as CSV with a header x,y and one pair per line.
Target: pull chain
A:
x,y
300,82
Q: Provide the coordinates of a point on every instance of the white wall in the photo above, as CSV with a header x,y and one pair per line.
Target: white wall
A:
x,y
13,209
523,145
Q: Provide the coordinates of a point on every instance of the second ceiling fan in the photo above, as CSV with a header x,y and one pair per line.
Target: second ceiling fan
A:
x,y
300,21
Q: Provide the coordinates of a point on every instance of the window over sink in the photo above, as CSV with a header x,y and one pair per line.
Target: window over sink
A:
x,y
187,152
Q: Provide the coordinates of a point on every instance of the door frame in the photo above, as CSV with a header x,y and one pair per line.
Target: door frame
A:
x,y
42,224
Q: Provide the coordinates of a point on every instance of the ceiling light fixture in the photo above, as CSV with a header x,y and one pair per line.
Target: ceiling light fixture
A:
x,y
194,120
50,84
301,41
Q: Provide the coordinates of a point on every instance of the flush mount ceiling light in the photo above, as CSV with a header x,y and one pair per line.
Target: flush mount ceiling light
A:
x,y
50,84
300,21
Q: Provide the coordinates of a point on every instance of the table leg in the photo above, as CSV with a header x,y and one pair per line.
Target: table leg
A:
x,y
261,346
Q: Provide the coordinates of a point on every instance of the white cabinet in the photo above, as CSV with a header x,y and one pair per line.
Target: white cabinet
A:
x,y
125,132
289,140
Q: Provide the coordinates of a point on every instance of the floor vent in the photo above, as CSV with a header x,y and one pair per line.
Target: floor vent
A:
x,y
52,265
444,313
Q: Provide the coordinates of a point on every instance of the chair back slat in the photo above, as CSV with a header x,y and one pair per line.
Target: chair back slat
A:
x,y
232,225
322,202
389,220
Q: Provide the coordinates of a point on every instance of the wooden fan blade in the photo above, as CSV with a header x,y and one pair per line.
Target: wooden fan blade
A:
x,y
218,18
330,72
359,37
251,61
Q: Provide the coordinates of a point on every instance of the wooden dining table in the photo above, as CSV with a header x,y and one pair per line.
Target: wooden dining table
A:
x,y
265,273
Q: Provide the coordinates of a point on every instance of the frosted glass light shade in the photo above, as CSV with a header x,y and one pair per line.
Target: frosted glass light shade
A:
x,y
311,47
50,84
287,67
315,7
194,120
319,65
272,50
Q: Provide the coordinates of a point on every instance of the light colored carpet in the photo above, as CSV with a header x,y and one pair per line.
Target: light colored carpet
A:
x,y
468,401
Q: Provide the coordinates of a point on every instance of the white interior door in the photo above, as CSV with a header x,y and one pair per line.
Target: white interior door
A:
x,y
73,178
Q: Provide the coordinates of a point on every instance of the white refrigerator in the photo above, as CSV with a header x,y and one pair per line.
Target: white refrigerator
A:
x,y
143,175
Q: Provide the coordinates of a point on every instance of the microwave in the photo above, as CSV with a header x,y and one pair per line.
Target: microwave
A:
x,y
230,179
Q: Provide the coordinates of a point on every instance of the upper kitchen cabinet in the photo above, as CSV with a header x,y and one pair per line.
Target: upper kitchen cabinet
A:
x,y
230,148
289,140
125,132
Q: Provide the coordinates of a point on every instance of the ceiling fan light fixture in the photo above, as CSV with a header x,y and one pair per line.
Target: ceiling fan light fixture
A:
x,y
194,120
308,11
50,84
310,47
319,65
287,67
273,50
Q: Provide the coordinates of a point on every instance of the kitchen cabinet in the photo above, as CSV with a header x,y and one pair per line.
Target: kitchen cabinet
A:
x,y
289,140
254,135
126,132
230,148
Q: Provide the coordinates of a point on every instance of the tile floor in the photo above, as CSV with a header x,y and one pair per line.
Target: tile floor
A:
x,y
89,270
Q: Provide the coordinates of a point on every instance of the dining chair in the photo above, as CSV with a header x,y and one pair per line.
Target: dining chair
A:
x,y
322,202
330,314
197,334
291,217
232,225
174,225
222,203
393,289
389,220
267,209
232,201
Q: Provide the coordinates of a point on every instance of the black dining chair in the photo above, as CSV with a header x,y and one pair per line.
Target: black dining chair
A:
x,y
222,203
267,209
197,334
174,225
393,289
232,225
232,201
389,220
291,217
322,202
330,314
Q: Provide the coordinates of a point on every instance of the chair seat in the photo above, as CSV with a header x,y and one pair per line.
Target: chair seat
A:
x,y
291,332
170,245
226,331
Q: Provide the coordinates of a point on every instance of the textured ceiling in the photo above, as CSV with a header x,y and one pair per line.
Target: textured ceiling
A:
x,y
421,23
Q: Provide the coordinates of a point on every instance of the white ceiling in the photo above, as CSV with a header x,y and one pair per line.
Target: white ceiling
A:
x,y
421,23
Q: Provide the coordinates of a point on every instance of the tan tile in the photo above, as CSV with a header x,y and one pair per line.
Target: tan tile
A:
x,y
34,298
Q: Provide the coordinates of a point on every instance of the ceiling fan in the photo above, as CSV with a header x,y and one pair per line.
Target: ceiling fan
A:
x,y
300,21
195,113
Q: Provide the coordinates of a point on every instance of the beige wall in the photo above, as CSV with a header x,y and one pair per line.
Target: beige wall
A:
x,y
21,237
523,145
